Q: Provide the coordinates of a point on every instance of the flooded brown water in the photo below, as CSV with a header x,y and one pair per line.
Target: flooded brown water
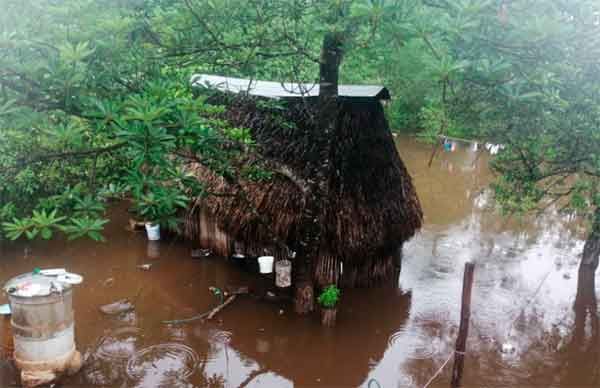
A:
x,y
524,292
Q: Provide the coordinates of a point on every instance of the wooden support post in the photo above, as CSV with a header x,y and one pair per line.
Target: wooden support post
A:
x,y
397,266
463,331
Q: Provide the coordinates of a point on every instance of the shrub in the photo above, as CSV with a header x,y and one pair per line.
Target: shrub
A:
x,y
330,296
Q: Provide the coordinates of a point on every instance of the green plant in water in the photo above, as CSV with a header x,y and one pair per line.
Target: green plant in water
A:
x,y
329,296
85,227
160,205
41,223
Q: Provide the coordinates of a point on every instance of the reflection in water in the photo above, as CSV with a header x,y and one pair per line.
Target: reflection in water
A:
x,y
514,258
167,364
153,249
106,364
119,345
524,294
7,373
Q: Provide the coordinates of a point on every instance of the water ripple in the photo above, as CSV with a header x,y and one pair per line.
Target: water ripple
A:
x,y
221,337
120,344
105,364
417,346
405,381
167,364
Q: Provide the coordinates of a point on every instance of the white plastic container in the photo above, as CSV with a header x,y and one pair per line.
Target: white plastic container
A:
x,y
265,264
43,328
53,272
153,231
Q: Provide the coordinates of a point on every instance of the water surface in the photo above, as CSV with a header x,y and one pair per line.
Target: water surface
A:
x,y
524,292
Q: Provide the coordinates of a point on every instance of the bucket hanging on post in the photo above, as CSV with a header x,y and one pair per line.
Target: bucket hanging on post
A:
x,y
283,273
265,264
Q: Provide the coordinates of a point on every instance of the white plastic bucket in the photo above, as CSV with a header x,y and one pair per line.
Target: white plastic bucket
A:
x,y
265,264
153,232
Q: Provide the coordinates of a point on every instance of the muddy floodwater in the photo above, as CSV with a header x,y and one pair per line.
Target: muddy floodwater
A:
x,y
523,298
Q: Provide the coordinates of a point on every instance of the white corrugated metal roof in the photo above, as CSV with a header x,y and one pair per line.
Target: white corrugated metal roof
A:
x,y
283,89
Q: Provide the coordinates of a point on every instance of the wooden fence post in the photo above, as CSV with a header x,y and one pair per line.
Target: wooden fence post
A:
x,y
463,331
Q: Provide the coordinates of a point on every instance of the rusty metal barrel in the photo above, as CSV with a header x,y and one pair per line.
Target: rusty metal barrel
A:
x,y
43,328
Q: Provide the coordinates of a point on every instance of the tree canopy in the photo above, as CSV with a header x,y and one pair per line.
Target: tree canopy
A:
x,y
95,100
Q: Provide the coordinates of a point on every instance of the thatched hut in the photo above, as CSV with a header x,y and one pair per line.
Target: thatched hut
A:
x,y
372,207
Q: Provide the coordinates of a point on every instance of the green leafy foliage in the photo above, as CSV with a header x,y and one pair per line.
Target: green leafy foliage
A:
x,y
330,296
41,223
92,107
18,228
95,101
256,173
160,205
84,227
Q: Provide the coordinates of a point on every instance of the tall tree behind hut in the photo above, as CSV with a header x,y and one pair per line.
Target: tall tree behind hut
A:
x,y
344,21
318,192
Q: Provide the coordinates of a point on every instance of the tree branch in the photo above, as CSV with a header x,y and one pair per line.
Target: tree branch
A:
x,y
74,154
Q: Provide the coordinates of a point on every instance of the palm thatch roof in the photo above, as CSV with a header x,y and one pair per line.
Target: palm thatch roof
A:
x,y
373,206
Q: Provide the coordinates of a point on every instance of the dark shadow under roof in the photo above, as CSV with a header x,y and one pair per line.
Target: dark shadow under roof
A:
x,y
272,89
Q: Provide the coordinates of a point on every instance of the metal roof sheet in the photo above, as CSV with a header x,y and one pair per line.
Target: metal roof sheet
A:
x,y
272,89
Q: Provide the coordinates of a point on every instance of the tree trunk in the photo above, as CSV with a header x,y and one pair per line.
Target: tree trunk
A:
x,y
586,284
586,308
318,169
584,344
